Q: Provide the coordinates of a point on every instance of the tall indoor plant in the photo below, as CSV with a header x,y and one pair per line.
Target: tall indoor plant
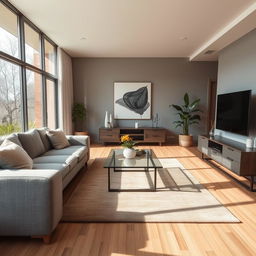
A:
x,y
187,116
78,117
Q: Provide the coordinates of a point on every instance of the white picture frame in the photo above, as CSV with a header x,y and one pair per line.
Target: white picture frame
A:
x,y
132,100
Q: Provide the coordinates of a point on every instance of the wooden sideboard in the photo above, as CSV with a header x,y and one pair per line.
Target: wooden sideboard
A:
x,y
140,135
231,154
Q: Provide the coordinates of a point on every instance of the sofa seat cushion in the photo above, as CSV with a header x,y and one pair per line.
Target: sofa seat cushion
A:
x,y
63,168
70,160
78,151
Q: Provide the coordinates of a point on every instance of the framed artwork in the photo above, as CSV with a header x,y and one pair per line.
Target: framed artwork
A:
x,y
132,100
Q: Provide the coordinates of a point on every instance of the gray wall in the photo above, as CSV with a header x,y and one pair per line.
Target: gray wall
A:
x,y
170,77
237,72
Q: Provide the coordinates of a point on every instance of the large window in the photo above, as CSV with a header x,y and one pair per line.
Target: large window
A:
x,y
32,46
34,99
28,80
9,32
51,103
50,57
10,98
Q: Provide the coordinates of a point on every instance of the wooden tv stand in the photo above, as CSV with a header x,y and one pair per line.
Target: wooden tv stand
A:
x,y
140,135
231,154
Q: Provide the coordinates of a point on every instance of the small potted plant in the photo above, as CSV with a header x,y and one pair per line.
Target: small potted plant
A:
x,y
187,116
78,117
128,143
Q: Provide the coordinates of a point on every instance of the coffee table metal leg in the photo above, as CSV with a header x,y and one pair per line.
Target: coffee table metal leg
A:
x,y
155,179
108,179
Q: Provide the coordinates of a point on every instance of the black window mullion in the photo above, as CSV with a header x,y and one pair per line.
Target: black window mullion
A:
x,y
24,105
42,52
44,101
56,104
23,74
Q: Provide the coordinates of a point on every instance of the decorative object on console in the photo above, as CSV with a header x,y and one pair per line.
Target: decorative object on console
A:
x,y
211,132
132,100
254,142
106,122
136,125
128,143
78,117
111,123
188,117
155,121
249,143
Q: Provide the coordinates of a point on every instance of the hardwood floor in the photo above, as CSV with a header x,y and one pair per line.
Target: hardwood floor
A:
x,y
150,239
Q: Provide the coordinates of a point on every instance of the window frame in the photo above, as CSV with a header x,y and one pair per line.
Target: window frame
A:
x,y
21,62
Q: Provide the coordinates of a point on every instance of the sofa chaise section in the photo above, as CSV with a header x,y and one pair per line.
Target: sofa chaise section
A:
x,y
31,200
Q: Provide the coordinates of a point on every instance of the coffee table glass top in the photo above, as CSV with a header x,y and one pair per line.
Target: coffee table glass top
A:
x,y
116,160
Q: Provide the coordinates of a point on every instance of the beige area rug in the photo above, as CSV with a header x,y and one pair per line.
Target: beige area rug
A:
x,y
179,197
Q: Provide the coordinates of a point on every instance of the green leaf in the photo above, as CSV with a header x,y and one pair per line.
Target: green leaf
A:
x,y
178,125
195,110
195,117
194,104
177,107
186,99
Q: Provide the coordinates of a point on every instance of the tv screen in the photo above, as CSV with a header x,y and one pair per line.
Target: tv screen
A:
x,y
233,112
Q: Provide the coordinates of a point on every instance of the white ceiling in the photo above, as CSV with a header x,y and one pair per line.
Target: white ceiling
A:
x,y
140,28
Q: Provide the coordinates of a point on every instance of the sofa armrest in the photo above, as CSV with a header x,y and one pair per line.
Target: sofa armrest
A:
x,y
82,140
30,202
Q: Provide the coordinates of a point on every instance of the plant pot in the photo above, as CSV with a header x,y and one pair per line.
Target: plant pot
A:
x,y
186,140
129,152
81,133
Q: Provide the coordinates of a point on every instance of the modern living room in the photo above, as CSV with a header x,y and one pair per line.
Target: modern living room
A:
x,y
127,127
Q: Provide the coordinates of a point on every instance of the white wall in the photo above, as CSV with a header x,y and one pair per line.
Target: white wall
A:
x,y
237,72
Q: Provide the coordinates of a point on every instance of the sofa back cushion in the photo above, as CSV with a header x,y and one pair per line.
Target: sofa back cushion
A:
x,y
12,156
58,139
44,138
32,143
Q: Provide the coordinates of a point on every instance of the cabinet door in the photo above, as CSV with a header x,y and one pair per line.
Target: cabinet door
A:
x,y
109,135
203,145
154,135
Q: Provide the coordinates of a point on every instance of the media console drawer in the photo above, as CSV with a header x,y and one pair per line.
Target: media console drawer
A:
x,y
231,153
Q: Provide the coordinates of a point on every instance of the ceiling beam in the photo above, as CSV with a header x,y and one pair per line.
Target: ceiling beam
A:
x,y
240,26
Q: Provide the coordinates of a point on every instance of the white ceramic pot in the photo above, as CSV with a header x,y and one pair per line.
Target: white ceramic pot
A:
x,y
129,153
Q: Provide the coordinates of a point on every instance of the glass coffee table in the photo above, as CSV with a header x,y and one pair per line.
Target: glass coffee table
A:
x,y
147,162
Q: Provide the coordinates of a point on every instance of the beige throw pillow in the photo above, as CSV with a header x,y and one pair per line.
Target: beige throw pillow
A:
x,y
12,156
58,139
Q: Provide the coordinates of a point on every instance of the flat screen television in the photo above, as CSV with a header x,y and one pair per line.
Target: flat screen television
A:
x,y
233,112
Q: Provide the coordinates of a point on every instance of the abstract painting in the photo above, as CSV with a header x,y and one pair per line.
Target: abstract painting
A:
x,y
132,100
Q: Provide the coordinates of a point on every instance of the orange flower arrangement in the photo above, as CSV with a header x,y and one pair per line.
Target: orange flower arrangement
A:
x,y
127,141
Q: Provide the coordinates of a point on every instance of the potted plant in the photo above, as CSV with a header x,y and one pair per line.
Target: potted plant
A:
x,y
128,143
78,117
187,116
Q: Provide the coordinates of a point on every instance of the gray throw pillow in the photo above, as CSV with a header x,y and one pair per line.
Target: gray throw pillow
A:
x,y
44,138
13,138
12,156
58,139
32,143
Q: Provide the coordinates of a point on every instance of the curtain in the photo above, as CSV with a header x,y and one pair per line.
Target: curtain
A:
x,y
65,88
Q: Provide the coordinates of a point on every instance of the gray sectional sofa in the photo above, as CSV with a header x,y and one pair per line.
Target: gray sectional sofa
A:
x,y
31,199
